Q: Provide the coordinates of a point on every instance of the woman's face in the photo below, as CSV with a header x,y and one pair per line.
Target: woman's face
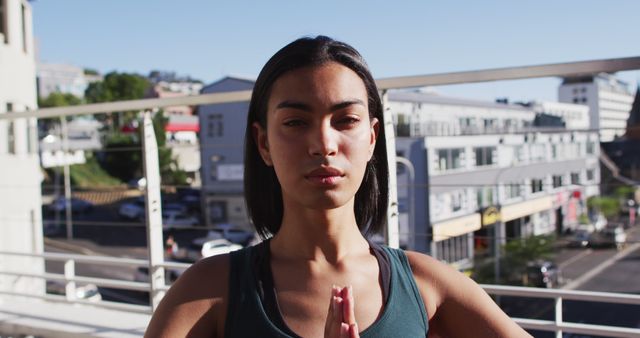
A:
x,y
319,135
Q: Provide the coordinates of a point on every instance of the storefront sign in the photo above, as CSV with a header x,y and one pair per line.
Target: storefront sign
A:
x,y
490,215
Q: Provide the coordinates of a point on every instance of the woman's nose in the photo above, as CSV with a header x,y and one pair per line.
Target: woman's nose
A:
x,y
323,141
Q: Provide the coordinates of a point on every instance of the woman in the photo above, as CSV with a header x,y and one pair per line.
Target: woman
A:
x,y
315,182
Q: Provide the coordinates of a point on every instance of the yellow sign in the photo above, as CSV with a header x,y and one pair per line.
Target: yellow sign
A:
x,y
490,215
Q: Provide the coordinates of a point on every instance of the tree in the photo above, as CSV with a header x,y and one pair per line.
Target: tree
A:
x,y
520,252
59,100
123,155
118,87
609,206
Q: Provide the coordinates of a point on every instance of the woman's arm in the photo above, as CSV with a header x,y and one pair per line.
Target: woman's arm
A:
x,y
195,305
456,305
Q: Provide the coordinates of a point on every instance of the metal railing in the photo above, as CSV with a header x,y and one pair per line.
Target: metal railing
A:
x,y
558,325
69,277
156,263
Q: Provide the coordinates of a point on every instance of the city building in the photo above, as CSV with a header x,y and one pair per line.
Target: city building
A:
x,y
608,98
165,89
20,176
222,148
63,78
472,161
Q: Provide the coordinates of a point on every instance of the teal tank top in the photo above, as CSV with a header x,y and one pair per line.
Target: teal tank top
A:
x,y
404,313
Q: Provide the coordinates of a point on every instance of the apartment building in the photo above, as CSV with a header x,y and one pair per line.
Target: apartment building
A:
x,y
63,78
20,177
608,98
473,161
222,128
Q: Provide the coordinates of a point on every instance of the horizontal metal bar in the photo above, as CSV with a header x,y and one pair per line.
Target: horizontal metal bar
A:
x,y
113,283
487,75
104,260
175,265
513,73
103,303
579,328
128,105
592,296
106,282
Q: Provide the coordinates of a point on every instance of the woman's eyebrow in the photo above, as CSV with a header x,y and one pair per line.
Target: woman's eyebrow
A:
x,y
305,107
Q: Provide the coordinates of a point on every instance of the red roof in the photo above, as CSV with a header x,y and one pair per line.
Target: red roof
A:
x,y
173,127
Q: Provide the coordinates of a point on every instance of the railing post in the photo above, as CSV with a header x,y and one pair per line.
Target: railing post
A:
x,y
69,276
558,312
153,211
392,237
67,177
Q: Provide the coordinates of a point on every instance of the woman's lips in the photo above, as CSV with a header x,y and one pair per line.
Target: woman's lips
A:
x,y
325,176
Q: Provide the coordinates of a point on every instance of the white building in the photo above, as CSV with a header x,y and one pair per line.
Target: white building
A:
x,y
473,157
63,78
608,98
20,177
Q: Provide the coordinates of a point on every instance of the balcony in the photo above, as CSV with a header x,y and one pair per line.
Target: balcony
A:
x,y
71,263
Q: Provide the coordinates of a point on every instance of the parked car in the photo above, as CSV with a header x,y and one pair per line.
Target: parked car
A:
x,y
138,183
88,292
234,234
543,274
172,219
210,245
579,239
177,207
77,205
132,210
609,237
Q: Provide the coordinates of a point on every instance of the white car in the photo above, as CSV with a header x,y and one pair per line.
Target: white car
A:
x,y
209,246
172,219
234,233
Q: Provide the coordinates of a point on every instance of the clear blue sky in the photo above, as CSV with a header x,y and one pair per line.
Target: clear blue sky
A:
x,y
210,39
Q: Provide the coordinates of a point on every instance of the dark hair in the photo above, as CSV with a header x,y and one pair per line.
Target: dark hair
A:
x,y
262,190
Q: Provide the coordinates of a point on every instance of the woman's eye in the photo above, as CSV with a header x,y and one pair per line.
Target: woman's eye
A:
x,y
293,123
349,121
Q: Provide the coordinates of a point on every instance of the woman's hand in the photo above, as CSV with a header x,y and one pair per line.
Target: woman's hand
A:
x,y
341,319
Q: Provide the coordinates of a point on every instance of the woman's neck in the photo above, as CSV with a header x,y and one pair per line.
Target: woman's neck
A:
x,y
312,234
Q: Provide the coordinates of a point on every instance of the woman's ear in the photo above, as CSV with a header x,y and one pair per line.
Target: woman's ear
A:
x,y
375,128
260,138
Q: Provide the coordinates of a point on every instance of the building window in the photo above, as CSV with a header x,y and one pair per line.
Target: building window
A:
x,y
4,27
575,178
456,200
449,159
11,137
484,156
23,15
536,185
513,190
484,196
557,181
591,174
454,249
215,126
591,147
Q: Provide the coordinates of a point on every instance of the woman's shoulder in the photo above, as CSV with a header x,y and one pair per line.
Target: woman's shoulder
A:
x,y
450,295
196,302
